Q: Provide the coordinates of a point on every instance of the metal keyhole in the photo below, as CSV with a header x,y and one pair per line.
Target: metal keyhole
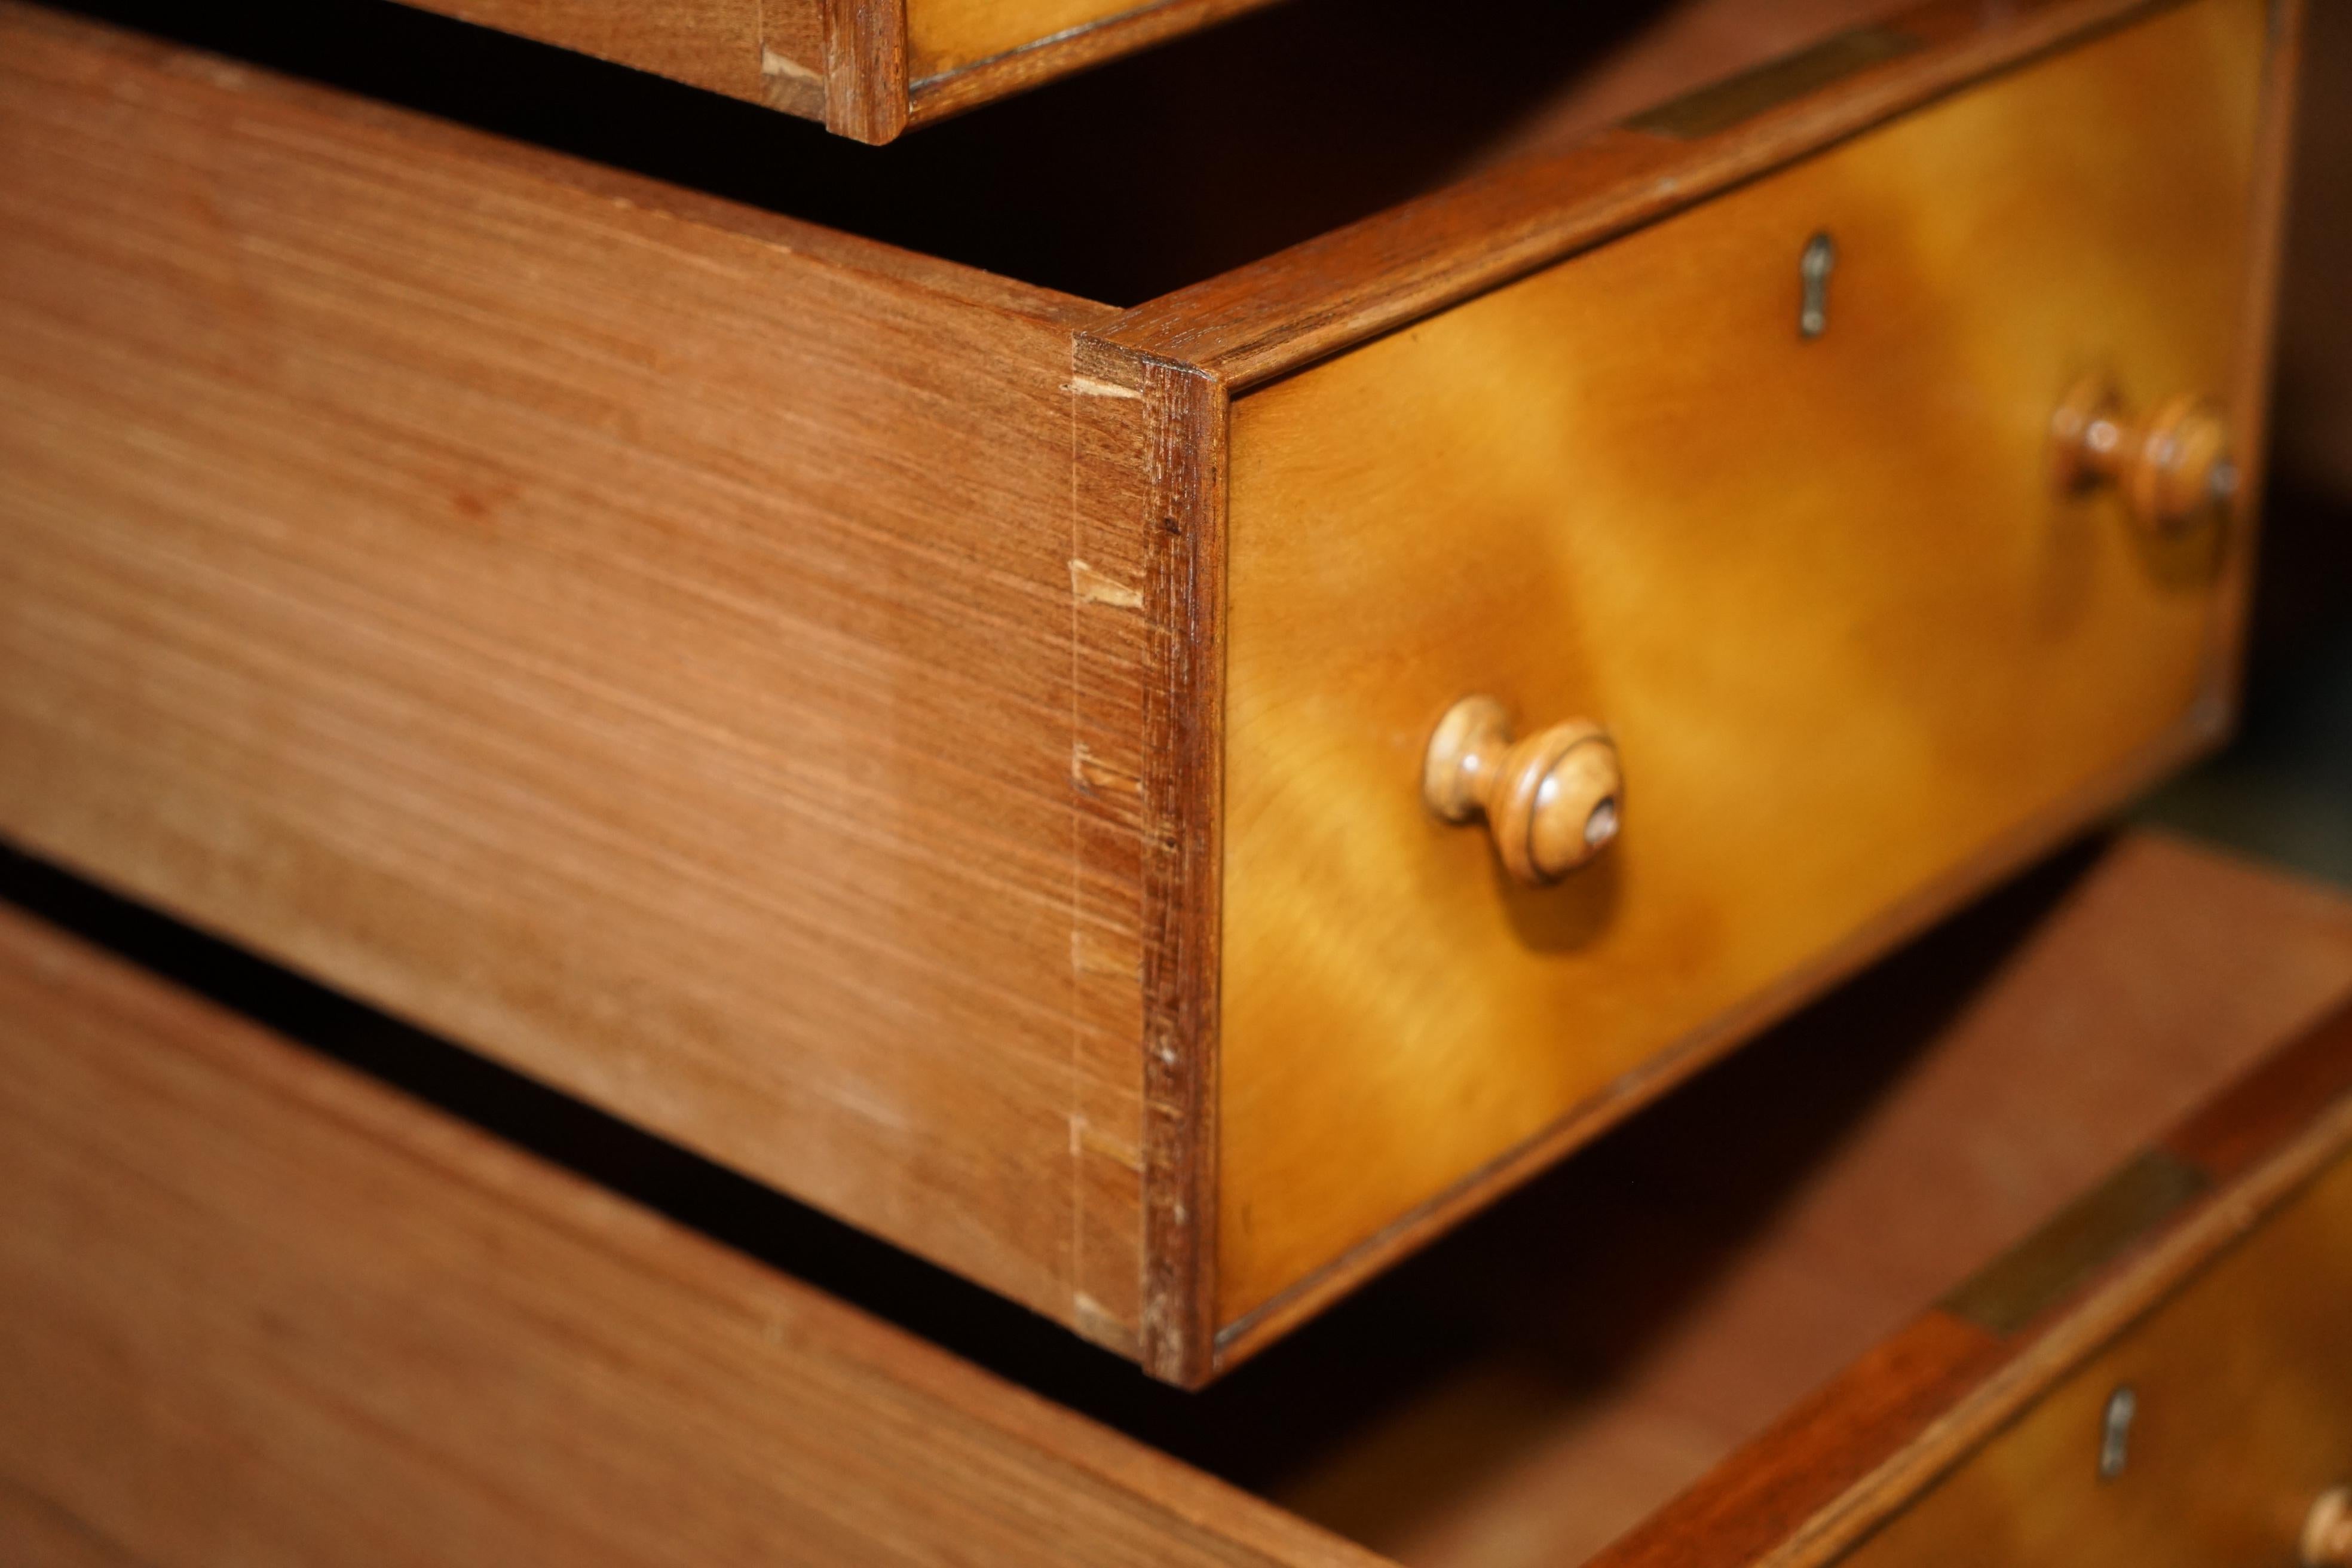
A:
x,y
1819,260
2115,1431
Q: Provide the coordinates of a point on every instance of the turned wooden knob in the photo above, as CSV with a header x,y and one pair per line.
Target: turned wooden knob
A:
x,y
2328,1531
1552,801
2172,467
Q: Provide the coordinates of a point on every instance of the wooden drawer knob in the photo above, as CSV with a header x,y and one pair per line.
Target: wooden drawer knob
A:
x,y
2328,1532
1552,801
2173,467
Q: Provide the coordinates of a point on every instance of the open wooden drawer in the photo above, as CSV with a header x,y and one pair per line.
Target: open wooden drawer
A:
x,y
262,1308
961,751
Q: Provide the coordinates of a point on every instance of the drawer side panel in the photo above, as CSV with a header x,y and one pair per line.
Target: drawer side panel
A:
x,y
640,649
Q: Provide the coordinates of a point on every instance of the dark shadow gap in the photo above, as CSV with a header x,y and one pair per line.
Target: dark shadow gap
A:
x,y
1210,151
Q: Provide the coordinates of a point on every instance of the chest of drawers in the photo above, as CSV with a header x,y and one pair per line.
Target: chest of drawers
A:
x,y
991,761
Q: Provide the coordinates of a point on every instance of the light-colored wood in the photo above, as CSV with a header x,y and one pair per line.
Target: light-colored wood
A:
x,y
767,684
261,1311
946,37
1553,801
500,589
1581,186
2172,467
1846,639
868,68
769,51
2244,1386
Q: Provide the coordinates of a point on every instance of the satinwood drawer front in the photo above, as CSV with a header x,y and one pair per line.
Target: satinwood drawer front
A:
x,y
2224,1425
264,1309
989,761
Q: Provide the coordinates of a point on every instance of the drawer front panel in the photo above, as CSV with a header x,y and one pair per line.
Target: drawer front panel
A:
x,y
2241,1419
947,36
1854,648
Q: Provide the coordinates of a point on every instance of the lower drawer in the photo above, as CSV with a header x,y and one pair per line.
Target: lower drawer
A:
x,y
263,1310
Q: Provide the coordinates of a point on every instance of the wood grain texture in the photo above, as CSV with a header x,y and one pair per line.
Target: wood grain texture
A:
x,y
263,1311
1259,321
768,684
868,68
865,69
501,589
1789,1501
1747,1329
1176,504
965,52
769,51
1848,641
2244,1401
266,1310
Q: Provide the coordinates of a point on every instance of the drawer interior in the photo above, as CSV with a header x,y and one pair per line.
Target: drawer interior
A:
x,y
1562,1367
1196,158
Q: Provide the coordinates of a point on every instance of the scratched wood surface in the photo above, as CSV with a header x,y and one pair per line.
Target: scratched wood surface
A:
x,y
263,1311
1851,645
504,590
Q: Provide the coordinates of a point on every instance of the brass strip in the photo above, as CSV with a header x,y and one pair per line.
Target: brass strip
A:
x,y
1723,104
2057,1260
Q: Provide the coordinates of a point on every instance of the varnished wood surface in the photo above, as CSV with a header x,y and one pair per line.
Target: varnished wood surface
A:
x,y
1639,1324
1847,1461
769,51
829,700
2243,1398
948,40
946,36
262,1311
1849,642
1259,321
505,590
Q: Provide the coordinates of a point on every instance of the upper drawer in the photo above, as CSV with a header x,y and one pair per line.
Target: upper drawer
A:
x,y
1782,629
868,68
960,752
